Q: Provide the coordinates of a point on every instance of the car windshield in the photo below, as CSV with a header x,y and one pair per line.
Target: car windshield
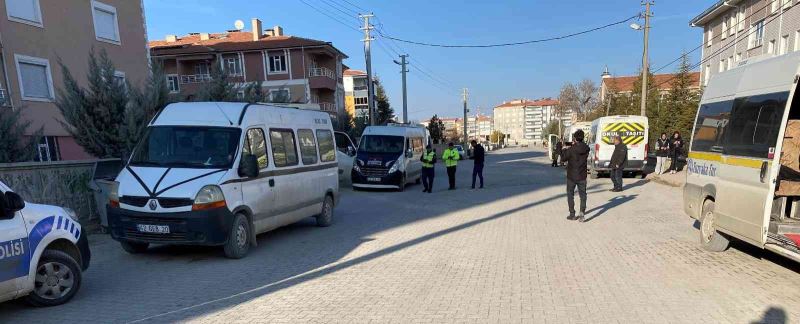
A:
x,y
187,147
381,144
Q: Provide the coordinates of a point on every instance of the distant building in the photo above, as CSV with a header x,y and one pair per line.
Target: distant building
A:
x,y
356,93
38,35
737,30
290,69
479,127
524,120
625,84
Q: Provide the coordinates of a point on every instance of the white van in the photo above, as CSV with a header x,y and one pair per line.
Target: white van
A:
x,y
632,129
389,156
736,157
43,251
586,127
209,173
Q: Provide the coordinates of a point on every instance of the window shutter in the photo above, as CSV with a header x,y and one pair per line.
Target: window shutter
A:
x,y
34,80
105,24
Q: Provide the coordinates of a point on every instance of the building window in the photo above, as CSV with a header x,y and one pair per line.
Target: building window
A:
x,y
775,4
730,62
201,69
277,64
35,79
738,57
361,100
786,4
172,83
740,18
233,65
707,74
47,149
756,35
732,27
279,95
784,48
724,28
24,11
106,28
771,47
710,36
119,76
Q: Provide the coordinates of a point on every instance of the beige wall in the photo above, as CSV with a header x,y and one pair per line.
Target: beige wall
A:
x,y
68,34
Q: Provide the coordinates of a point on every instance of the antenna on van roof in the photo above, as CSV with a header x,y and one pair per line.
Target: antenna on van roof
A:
x,y
223,113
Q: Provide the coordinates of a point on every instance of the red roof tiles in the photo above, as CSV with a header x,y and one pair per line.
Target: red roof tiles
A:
x,y
625,83
230,41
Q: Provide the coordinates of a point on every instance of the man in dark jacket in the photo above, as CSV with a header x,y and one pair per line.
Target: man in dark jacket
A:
x,y
478,154
576,157
618,159
557,152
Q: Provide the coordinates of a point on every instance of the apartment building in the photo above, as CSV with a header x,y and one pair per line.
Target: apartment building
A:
x,y
524,120
290,69
737,30
356,93
625,84
36,34
479,127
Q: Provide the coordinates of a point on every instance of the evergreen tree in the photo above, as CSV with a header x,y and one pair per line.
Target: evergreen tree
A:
x,y
253,93
96,116
436,129
385,112
15,146
144,105
220,88
361,122
680,105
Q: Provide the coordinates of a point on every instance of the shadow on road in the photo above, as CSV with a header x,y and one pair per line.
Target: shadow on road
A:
x,y
613,202
773,315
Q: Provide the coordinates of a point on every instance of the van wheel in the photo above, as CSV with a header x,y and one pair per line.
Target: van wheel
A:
x,y
402,186
58,278
238,239
711,239
134,247
325,217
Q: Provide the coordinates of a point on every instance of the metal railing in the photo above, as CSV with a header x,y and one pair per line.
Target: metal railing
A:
x,y
327,106
195,78
322,72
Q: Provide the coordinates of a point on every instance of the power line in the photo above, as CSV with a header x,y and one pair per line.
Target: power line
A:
x,y
330,16
512,43
333,5
355,6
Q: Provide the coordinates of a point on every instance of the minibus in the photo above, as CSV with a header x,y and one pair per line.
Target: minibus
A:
x,y
742,178
633,131
218,174
388,157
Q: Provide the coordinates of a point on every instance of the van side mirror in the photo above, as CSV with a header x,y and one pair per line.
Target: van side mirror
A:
x,y
351,151
10,203
248,166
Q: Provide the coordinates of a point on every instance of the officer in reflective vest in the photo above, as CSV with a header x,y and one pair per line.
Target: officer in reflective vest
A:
x,y
428,161
451,157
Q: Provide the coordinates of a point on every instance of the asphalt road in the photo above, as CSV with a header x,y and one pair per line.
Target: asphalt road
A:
x,y
502,254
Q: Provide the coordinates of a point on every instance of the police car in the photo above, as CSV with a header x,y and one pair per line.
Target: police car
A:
x,y
43,251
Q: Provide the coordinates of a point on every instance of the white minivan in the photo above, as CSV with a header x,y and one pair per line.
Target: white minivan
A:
x,y
633,131
43,251
208,173
388,157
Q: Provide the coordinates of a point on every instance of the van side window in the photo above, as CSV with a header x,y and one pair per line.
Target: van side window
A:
x,y
754,124
327,152
308,146
255,143
710,129
284,150
417,141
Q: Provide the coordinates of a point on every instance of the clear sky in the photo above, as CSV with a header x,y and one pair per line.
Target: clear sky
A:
x,y
491,74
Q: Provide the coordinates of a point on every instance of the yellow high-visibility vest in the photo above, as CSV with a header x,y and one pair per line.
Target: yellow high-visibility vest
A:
x,y
450,157
427,159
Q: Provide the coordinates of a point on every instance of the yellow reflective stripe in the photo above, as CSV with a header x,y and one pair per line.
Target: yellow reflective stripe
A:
x,y
729,160
639,126
608,127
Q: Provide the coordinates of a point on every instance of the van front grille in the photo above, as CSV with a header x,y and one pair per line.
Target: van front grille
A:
x,y
171,237
134,200
374,171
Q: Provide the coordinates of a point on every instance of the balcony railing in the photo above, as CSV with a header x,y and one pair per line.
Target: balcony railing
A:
x,y
322,72
5,101
195,78
327,106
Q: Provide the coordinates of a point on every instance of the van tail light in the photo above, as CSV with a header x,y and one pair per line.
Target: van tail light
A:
x,y
597,152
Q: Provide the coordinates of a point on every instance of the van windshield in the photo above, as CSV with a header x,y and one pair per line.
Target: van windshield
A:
x,y
381,144
187,147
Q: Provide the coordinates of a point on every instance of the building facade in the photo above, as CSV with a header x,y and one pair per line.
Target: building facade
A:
x,y
356,93
293,70
479,127
625,84
36,35
738,30
523,121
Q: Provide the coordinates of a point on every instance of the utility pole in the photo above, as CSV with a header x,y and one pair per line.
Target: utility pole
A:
x,y
402,64
368,57
645,67
466,110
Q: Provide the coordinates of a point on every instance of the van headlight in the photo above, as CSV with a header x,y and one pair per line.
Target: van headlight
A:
x,y
209,197
113,195
396,164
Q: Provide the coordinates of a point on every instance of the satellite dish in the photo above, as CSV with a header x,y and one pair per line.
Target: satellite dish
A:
x,y
239,24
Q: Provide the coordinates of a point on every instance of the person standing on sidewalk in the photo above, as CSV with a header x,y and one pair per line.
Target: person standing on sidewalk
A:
x,y
576,157
557,153
662,151
450,158
618,159
478,154
428,162
676,149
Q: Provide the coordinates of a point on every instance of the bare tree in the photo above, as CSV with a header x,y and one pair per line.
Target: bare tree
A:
x,y
588,99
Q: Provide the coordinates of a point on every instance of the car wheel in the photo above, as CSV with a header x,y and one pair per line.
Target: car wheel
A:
x,y
58,278
239,238
134,247
325,217
711,239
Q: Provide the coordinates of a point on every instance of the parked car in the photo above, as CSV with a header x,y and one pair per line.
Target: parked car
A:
x,y
218,174
43,251
345,154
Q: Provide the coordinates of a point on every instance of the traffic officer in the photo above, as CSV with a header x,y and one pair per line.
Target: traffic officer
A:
x,y
451,157
428,161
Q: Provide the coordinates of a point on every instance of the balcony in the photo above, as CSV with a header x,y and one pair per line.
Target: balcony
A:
x,y
322,78
195,78
327,106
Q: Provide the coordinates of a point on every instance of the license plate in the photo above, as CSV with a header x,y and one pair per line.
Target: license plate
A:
x,y
160,229
374,179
